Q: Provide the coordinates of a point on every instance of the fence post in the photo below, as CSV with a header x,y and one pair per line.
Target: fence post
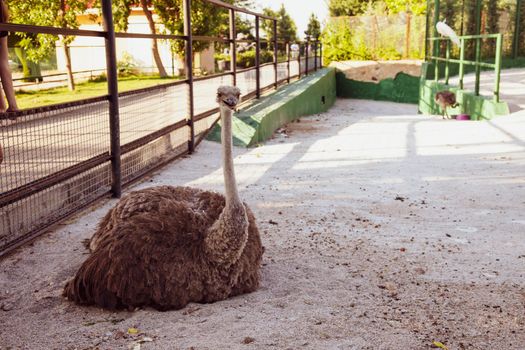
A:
x,y
275,52
257,59
306,55
233,47
315,55
299,60
461,63
516,38
188,66
320,55
478,46
435,32
288,61
114,118
436,62
497,63
447,55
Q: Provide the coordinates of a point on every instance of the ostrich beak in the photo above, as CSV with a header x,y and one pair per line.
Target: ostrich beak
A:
x,y
231,102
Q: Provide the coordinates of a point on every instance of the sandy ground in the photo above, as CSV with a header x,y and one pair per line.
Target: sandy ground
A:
x,y
375,71
383,230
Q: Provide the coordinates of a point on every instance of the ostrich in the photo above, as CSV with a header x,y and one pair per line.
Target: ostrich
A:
x,y
167,246
446,99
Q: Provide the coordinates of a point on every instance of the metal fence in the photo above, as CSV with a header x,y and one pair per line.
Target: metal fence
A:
x,y
462,61
58,159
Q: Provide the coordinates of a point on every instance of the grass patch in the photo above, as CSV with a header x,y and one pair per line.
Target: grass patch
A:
x,y
39,98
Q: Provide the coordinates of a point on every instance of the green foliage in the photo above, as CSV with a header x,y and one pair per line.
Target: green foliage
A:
x,y
286,28
206,20
53,13
314,27
338,8
417,7
127,66
247,59
339,44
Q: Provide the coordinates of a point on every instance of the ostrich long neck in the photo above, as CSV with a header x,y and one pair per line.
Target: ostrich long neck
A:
x,y
230,185
227,237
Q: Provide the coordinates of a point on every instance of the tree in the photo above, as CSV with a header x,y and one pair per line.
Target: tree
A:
x,y
54,13
416,7
121,11
286,28
314,27
339,8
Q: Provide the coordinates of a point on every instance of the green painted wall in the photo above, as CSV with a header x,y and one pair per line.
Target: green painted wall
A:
x,y
312,94
478,107
403,88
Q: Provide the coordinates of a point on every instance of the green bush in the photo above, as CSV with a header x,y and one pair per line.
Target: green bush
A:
x,y
127,66
247,59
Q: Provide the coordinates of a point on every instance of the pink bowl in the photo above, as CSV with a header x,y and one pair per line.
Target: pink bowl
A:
x,y
463,117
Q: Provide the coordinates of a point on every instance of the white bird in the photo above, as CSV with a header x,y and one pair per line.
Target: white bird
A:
x,y
445,30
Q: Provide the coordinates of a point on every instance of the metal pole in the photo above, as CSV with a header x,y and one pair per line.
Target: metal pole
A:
x,y
436,34
498,67
315,55
288,62
114,118
320,55
447,56
257,59
188,65
461,63
478,46
516,39
306,55
299,60
427,17
233,47
275,52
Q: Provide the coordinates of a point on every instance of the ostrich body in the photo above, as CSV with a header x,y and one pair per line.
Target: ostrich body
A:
x,y
167,246
446,99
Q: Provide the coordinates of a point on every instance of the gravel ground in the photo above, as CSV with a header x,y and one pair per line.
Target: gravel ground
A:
x,y
383,230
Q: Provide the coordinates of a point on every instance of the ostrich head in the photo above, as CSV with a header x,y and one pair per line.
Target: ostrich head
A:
x,y
228,97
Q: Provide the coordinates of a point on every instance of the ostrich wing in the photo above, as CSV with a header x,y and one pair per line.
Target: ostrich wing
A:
x,y
445,30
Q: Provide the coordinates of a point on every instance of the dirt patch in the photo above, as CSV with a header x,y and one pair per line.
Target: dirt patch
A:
x,y
375,71
383,230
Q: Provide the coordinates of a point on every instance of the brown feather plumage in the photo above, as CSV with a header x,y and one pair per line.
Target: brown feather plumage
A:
x,y
446,99
149,251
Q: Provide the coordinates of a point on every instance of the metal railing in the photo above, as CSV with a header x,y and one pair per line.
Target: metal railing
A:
x,y
60,158
477,63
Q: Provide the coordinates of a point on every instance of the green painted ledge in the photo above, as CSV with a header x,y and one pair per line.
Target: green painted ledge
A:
x,y
404,88
312,94
478,107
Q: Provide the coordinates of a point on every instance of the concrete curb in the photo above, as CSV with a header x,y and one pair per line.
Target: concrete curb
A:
x,y
313,94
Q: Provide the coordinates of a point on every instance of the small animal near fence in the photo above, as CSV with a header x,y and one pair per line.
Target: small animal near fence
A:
x,y
58,159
